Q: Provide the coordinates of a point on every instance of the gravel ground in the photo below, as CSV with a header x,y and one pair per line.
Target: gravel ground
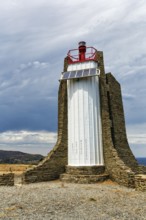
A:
x,y
57,201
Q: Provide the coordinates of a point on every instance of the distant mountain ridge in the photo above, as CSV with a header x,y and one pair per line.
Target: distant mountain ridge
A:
x,y
17,157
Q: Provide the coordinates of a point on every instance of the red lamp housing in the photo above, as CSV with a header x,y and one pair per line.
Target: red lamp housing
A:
x,y
82,54
82,51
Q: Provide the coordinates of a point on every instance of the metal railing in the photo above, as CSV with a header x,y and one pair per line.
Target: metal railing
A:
x,y
73,55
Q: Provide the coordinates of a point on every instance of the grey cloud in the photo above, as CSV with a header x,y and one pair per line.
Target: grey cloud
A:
x,y
28,141
128,96
33,114
27,137
139,150
137,138
35,38
35,64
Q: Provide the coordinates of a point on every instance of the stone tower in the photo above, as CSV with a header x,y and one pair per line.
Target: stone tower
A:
x,y
116,161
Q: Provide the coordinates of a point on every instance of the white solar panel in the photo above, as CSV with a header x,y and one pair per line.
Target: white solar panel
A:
x,y
65,75
73,74
86,72
80,74
92,72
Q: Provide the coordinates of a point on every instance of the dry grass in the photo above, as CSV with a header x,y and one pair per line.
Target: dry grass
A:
x,y
15,168
110,182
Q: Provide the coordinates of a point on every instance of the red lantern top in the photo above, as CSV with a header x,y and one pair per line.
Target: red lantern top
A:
x,y
82,54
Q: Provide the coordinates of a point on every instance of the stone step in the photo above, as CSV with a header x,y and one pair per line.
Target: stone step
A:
x,y
83,179
85,170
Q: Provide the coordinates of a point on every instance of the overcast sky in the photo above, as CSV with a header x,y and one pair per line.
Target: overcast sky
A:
x,y
36,35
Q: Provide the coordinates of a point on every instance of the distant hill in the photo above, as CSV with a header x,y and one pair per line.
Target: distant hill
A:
x,y
17,157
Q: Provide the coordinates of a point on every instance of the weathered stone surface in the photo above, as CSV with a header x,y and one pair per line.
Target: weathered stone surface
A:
x,y
18,179
140,182
83,179
85,170
141,169
84,174
7,179
119,160
54,164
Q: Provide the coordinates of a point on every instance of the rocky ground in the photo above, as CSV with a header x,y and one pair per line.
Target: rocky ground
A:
x,y
57,201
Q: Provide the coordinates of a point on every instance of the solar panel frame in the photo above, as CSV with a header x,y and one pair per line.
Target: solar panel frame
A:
x,y
75,74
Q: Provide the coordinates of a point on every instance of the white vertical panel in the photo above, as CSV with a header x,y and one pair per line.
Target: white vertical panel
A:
x,y
99,130
70,124
76,126
80,122
97,110
94,118
69,120
91,121
84,122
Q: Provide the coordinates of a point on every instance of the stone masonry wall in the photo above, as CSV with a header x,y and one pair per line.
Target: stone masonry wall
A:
x,y
142,169
7,179
140,182
118,124
119,160
54,164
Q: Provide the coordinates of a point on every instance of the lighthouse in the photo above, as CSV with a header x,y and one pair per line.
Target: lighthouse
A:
x,y
92,144
84,112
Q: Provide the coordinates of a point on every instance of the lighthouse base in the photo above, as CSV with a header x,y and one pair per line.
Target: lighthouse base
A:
x,y
84,174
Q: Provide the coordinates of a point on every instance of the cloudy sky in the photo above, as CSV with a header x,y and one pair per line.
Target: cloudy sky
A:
x,y
36,35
